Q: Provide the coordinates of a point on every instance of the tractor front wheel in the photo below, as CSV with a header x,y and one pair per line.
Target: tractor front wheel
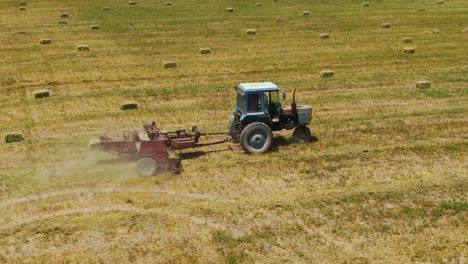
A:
x,y
256,138
302,134
146,167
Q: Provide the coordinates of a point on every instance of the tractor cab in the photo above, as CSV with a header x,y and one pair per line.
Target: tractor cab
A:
x,y
258,102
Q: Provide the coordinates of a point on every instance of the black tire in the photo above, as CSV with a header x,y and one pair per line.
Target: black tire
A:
x,y
233,130
146,167
302,135
256,138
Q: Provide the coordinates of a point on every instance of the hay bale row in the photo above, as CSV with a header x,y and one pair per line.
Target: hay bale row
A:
x,y
280,20
132,3
306,13
22,4
423,84
251,32
13,137
465,30
324,36
230,9
421,10
327,73
168,3
106,8
128,105
365,4
169,64
95,27
45,41
407,40
23,9
65,15
409,50
440,2
82,48
204,51
386,25
63,22
41,94
435,31
259,4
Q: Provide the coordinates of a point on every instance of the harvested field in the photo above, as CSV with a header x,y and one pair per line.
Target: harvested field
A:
x,y
385,181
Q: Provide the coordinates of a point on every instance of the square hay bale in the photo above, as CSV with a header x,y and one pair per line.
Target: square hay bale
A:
x,y
22,4
327,73
324,36
63,22
168,3
365,4
65,16
230,9
128,105
423,84
106,8
45,41
409,50
306,13
407,40
422,10
23,9
280,20
82,48
251,32
95,27
41,94
169,64
440,2
132,3
259,4
13,137
386,25
205,51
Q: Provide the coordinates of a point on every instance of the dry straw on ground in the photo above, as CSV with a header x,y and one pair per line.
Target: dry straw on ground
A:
x,y
280,20
13,137
251,32
259,4
409,50
230,9
204,51
132,3
421,10
327,73
127,105
45,41
63,22
106,9
306,13
23,9
168,3
324,36
95,27
41,94
82,48
423,84
386,25
169,64
407,40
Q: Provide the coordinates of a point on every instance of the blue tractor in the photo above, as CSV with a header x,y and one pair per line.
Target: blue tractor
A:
x,y
258,112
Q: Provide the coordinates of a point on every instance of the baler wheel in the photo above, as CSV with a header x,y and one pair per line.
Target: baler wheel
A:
x,y
256,138
146,167
302,134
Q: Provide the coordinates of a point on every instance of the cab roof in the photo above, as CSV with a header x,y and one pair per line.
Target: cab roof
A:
x,y
258,87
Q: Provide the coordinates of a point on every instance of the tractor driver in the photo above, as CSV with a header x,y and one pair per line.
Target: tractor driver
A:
x,y
154,131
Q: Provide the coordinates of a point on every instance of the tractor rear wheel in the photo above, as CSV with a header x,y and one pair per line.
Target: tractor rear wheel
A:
x,y
302,134
146,167
256,138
